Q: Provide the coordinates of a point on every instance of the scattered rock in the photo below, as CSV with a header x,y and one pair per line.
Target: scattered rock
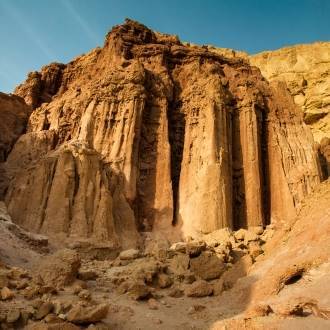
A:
x,y
13,316
207,266
240,234
6,294
153,303
129,254
179,247
44,309
87,275
218,287
179,264
194,249
196,308
175,292
86,315
164,281
250,236
199,288
59,269
85,294
139,291
254,249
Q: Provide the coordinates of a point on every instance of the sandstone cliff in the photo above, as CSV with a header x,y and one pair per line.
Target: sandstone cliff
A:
x,y
13,119
148,134
306,71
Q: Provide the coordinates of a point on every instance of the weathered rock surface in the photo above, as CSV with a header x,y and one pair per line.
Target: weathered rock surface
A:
x,y
59,269
13,119
87,315
149,134
306,71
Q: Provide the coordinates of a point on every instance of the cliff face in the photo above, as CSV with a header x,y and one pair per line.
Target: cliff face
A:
x,y
148,134
13,119
306,71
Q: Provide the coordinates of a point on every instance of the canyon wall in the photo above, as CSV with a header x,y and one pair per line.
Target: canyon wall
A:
x,y
148,134
306,71
13,119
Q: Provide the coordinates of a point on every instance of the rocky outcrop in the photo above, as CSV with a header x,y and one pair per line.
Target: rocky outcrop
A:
x,y
148,134
41,86
13,119
306,71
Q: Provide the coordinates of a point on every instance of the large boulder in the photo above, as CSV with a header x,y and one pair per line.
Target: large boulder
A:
x,y
86,315
207,266
59,269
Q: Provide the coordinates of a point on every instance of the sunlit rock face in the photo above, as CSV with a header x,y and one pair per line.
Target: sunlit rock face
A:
x,y
13,119
148,134
306,71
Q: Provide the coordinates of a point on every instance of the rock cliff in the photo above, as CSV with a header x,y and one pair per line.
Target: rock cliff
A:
x,y
149,134
13,119
306,71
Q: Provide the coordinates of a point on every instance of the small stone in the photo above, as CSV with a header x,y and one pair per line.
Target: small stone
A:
x,y
258,230
139,291
194,249
250,236
153,304
254,249
52,318
87,275
196,308
22,284
129,254
179,247
13,315
86,315
36,303
189,278
6,293
85,294
47,289
44,310
164,281
4,282
207,266
240,234
199,288
218,287
175,292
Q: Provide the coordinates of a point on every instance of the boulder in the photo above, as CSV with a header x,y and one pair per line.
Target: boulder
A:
x,y
59,269
130,254
164,280
199,288
86,315
44,309
207,266
139,291
6,293
194,249
13,316
87,275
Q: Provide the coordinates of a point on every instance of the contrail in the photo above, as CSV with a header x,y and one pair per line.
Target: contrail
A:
x,y
20,20
90,33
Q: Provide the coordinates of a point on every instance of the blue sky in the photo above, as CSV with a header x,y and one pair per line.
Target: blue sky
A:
x,y
36,32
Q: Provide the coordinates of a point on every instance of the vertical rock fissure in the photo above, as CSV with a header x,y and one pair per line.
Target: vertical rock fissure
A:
x,y
239,204
176,131
143,205
264,167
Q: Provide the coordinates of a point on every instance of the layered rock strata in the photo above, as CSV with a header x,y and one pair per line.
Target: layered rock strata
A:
x,y
306,71
148,134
